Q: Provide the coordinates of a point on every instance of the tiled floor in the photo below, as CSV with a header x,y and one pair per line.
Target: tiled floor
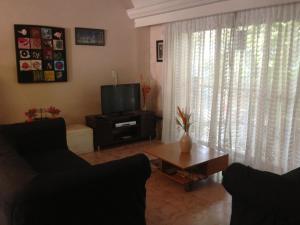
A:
x,y
167,202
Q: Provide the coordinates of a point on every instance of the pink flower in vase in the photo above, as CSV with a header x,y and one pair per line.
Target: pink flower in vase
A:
x,y
53,111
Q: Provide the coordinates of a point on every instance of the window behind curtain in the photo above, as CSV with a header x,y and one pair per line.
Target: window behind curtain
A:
x,y
239,74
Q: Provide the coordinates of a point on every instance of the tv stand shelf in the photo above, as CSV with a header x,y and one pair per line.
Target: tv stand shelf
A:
x,y
117,129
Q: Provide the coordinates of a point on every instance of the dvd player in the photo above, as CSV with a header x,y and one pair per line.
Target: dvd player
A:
x,y
125,124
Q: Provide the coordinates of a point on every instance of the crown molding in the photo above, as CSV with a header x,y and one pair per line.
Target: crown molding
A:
x,y
143,3
165,7
175,10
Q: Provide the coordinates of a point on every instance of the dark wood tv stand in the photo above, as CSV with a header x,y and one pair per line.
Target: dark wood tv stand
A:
x,y
109,130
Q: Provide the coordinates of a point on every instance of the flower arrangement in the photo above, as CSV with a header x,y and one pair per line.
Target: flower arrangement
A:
x,y
145,90
31,114
53,111
183,119
39,114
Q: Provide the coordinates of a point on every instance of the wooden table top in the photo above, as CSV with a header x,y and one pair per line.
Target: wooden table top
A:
x,y
172,154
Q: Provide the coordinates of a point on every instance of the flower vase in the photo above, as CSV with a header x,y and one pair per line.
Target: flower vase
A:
x,y
185,143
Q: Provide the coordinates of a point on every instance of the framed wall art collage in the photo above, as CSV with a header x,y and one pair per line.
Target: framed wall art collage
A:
x,y
40,54
41,51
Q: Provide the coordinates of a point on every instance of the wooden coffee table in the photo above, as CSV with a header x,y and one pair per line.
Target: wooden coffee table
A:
x,y
188,168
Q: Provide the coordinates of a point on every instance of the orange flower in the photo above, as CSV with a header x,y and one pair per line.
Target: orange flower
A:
x,y
145,89
184,119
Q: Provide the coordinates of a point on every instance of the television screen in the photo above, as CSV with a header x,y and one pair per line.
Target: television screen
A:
x,y
120,98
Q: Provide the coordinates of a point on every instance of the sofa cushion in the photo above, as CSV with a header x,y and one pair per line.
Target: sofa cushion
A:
x,y
56,160
15,174
36,136
112,193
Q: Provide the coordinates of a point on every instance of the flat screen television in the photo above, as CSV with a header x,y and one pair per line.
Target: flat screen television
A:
x,y
120,98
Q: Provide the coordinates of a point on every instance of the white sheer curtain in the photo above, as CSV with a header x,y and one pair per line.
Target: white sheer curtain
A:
x,y
239,76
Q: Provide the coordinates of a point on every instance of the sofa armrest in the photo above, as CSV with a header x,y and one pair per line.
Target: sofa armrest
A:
x,y
293,175
36,136
260,188
109,193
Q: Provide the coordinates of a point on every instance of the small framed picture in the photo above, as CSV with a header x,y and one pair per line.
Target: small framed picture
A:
x,y
159,50
88,36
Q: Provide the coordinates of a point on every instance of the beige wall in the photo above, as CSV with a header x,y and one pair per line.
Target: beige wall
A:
x,y
148,68
156,68
88,66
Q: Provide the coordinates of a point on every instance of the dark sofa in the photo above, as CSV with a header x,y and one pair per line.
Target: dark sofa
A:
x,y
263,198
43,183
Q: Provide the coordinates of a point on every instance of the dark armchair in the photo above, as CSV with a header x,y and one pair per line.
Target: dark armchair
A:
x,y
262,198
